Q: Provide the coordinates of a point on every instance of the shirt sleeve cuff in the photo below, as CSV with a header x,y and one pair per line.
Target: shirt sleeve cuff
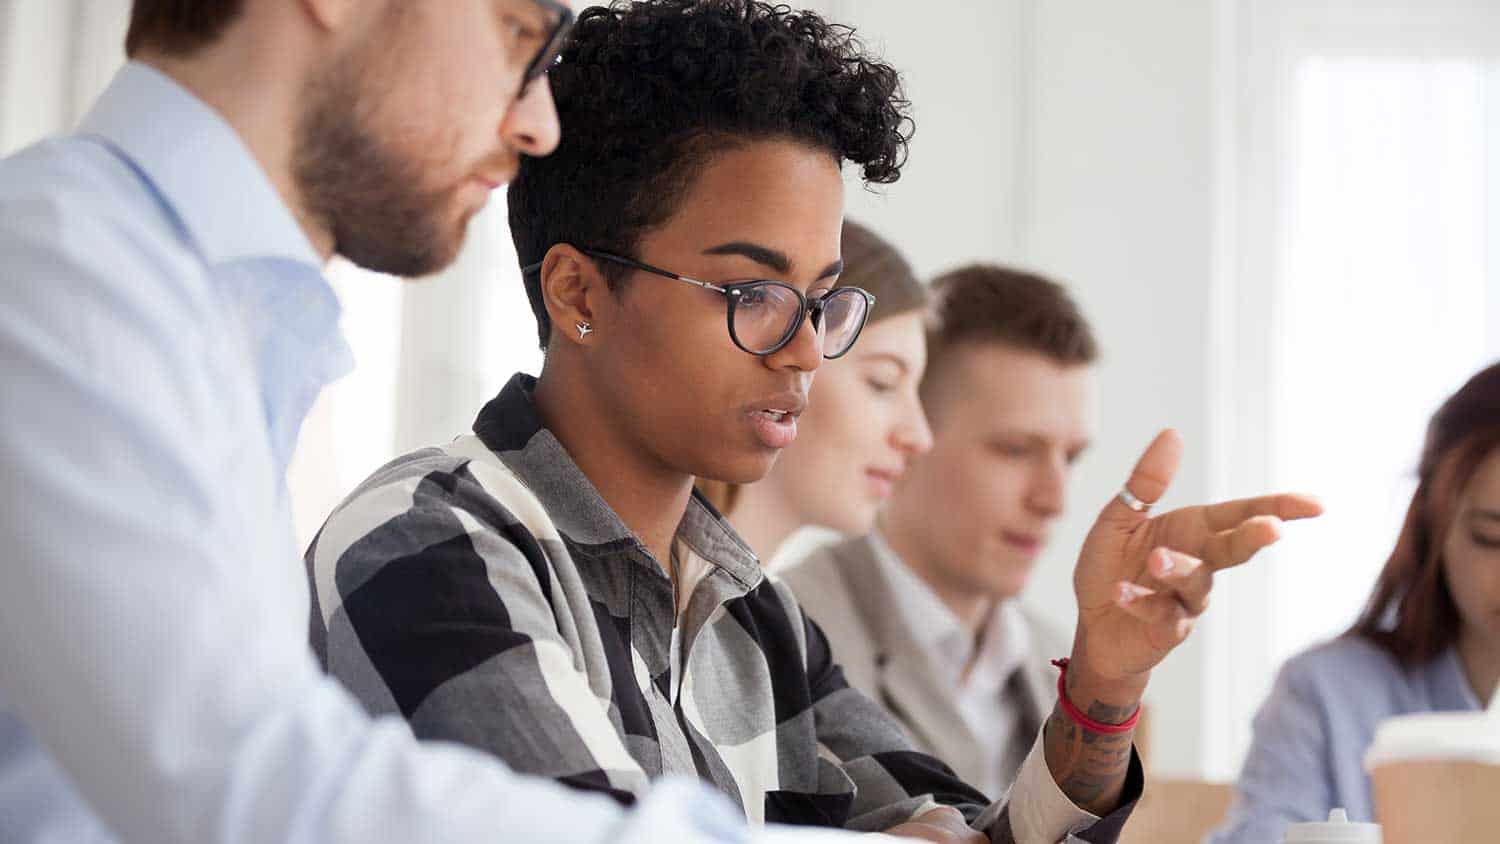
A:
x,y
1036,810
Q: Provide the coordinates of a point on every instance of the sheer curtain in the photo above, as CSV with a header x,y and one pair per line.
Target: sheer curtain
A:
x,y
55,57
429,353
1366,288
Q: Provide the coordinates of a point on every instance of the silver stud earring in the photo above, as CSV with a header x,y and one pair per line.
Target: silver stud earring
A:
x,y
584,330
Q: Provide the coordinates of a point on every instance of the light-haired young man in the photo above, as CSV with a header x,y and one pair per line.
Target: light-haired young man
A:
x,y
922,612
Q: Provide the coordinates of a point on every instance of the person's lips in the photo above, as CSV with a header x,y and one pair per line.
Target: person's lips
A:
x,y
774,418
1027,543
883,481
498,173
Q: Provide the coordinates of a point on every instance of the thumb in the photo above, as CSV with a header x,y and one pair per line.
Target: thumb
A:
x,y
1149,480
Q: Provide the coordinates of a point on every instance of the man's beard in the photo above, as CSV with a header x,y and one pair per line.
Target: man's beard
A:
x,y
373,201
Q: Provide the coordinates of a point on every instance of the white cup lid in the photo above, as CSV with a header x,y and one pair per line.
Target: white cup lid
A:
x,y
1338,829
1436,736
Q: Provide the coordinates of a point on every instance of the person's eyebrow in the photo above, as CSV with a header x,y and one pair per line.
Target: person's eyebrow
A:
x,y
762,255
768,257
886,357
1486,515
533,18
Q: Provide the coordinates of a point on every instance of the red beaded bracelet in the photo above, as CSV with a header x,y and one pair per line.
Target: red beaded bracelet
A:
x,y
1083,720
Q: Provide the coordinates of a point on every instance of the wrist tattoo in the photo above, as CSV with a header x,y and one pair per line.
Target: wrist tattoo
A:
x,y
1089,767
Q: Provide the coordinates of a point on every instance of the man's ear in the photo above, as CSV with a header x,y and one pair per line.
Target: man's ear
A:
x,y
571,289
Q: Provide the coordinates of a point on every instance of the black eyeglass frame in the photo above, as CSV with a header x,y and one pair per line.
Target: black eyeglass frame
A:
x,y
733,292
547,55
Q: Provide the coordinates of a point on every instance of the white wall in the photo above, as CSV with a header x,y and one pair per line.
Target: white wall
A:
x,y
31,105
1122,205
55,57
956,201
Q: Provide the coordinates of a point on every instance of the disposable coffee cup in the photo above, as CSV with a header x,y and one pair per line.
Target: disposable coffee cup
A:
x,y
1338,829
1437,777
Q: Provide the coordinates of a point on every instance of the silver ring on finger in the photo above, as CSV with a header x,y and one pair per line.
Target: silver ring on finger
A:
x,y
1129,500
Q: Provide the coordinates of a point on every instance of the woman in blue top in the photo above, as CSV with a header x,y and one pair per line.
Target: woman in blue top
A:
x,y
1429,639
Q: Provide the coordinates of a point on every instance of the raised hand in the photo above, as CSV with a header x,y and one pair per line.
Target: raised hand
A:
x,y
1141,581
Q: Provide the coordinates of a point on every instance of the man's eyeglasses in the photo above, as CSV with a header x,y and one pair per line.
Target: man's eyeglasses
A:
x,y
561,22
764,315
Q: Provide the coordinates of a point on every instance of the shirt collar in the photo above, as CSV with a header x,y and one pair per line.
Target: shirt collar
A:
x,y
939,631
1006,643
199,166
511,426
930,620
1450,683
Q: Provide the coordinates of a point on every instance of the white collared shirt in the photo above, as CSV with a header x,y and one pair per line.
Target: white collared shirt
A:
x,y
164,326
983,673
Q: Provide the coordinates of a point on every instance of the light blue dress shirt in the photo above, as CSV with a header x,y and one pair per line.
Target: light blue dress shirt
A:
x,y
1312,733
164,328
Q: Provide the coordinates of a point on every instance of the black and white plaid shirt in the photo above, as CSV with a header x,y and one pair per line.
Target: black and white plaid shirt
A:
x,y
485,592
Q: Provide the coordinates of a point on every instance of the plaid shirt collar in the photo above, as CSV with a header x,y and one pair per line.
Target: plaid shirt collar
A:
x,y
511,426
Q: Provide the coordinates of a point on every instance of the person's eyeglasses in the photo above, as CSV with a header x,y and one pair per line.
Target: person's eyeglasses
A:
x,y
764,315
561,22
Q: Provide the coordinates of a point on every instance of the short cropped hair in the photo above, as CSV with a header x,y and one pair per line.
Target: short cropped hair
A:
x,y
991,304
178,27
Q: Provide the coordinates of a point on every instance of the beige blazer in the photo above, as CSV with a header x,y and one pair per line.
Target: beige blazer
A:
x,y
843,588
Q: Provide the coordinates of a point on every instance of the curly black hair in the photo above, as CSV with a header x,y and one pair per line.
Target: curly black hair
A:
x,y
649,91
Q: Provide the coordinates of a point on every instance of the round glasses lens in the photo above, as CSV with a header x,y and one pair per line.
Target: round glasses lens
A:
x,y
764,315
844,313
559,23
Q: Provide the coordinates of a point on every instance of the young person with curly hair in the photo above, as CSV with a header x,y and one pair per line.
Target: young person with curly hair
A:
x,y
551,589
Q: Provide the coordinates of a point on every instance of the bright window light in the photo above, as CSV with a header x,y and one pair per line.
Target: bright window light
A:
x,y
1382,308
